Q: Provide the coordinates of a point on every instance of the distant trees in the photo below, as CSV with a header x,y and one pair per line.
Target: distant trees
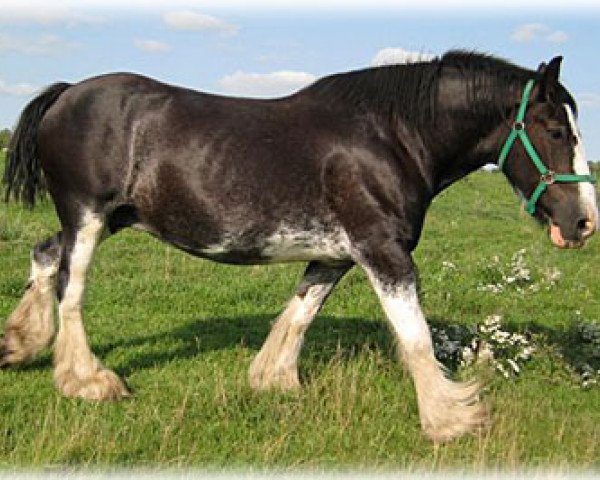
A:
x,y
4,138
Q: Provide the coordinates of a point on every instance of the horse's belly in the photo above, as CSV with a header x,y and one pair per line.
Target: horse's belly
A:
x,y
283,245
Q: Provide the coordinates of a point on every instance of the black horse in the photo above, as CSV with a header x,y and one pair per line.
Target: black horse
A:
x,y
339,173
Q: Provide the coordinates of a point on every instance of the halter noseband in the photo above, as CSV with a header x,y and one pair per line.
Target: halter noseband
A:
x,y
547,177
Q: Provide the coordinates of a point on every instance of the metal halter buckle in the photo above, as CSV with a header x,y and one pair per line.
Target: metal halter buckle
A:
x,y
519,125
548,178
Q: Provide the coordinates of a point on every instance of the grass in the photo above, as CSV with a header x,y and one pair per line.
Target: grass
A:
x,y
183,332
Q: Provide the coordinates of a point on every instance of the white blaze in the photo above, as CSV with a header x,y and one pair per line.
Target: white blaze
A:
x,y
587,191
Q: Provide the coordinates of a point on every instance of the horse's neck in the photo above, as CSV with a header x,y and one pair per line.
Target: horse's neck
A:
x,y
456,153
474,150
466,137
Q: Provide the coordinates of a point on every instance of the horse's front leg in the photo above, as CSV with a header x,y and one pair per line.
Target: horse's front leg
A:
x,y
447,409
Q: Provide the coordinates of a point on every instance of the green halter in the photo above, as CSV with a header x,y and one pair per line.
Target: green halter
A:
x,y
547,177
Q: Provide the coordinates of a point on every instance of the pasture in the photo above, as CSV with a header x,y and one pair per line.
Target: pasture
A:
x,y
183,331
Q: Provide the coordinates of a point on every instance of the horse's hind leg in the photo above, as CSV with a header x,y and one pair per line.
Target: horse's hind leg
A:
x,y
77,372
30,327
276,365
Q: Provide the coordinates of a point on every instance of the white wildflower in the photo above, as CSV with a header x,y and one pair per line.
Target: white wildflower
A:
x,y
502,370
505,350
448,265
514,365
467,355
485,352
516,276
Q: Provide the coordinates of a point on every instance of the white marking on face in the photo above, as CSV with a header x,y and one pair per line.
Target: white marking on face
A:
x,y
587,191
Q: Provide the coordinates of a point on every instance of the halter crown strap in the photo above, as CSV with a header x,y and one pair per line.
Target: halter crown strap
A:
x,y
547,177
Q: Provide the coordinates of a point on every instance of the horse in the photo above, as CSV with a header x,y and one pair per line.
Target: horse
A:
x,y
337,174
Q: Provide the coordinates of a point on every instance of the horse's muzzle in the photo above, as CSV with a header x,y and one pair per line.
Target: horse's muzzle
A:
x,y
585,228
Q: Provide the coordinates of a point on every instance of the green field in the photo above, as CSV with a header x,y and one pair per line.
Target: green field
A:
x,y
183,331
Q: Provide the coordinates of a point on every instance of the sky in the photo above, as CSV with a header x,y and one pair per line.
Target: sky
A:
x,y
266,49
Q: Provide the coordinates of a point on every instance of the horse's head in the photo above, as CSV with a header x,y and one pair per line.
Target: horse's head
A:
x,y
543,157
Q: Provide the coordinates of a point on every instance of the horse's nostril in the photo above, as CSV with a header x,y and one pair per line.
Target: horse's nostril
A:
x,y
585,227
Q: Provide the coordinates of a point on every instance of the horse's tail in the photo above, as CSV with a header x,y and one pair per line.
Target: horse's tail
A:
x,y
23,174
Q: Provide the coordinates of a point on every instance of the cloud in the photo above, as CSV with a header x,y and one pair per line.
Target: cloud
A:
x,y
188,20
17,89
265,84
393,55
530,32
589,100
152,46
41,45
45,14
557,37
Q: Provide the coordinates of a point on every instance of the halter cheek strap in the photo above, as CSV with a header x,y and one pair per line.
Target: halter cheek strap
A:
x,y
547,177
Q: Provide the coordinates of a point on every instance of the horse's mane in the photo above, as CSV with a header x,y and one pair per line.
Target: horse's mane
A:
x,y
410,90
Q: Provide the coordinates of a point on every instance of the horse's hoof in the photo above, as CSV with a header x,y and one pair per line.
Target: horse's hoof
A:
x,y
270,379
475,419
5,354
458,412
102,385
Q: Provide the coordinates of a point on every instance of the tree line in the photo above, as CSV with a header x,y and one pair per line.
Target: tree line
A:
x,y
4,138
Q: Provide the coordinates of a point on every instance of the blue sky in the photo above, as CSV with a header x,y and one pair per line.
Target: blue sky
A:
x,y
266,49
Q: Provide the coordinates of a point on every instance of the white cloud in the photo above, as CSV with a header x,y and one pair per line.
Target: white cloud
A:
x,y
265,84
527,32
393,55
17,89
530,32
557,37
588,100
45,14
152,46
41,45
188,20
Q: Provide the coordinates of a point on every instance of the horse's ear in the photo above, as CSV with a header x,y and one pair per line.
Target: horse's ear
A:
x,y
549,80
542,67
552,71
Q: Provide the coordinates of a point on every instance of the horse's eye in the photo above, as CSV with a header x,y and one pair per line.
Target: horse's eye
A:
x,y
557,133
